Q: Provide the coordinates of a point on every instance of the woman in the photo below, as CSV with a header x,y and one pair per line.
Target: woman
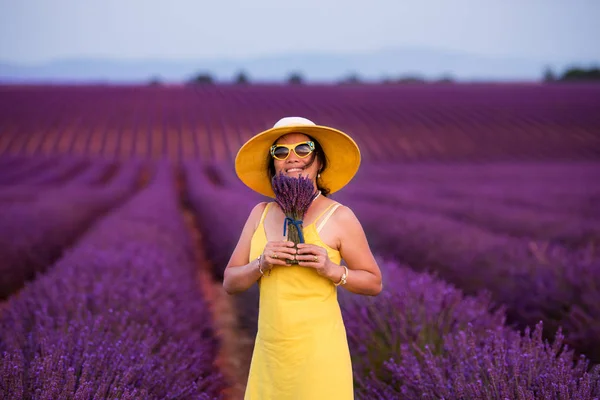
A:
x,y
301,350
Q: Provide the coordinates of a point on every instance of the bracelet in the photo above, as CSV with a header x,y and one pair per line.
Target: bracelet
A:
x,y
259,258
343,278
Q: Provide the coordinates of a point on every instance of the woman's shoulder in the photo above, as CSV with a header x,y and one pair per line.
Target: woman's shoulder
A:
x,y
259,208
329,210
341,212
334,204
257,212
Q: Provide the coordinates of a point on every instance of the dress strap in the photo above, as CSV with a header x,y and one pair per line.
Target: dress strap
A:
x,y
264,213
331,210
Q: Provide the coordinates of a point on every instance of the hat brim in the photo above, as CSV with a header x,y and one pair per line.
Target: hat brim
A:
x,y
341,151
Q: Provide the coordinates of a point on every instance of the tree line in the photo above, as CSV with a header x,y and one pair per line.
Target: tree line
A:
x,y
572,74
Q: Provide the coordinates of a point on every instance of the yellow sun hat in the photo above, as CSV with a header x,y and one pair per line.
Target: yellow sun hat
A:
x,y
341,152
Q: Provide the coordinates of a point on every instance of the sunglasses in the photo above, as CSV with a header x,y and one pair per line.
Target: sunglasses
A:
x,y
302,150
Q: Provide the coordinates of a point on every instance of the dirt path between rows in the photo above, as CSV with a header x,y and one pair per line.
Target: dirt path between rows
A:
x,y
234,356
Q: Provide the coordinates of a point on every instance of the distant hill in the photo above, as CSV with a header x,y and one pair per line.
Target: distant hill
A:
x,y
372,66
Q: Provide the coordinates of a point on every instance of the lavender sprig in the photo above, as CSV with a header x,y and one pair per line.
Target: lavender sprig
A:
x,y
294,196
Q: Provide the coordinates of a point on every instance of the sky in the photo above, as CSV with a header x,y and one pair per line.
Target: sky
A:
x,y
36,31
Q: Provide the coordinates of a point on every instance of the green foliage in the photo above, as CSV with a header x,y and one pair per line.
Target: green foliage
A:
x,y
416,79
351,79
445,79
295,78
573,74
241,78
202,78
411,79
581,74
549,75
155,81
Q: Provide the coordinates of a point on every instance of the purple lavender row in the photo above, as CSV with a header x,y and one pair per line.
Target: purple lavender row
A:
x,y
11,175
34,234
120,316
422,338
557,187
223,174
534,282
545,172
50,177
571,199
494,216
388,121
570,203
562,188
11,161
94,174
63,170
221,214
417,107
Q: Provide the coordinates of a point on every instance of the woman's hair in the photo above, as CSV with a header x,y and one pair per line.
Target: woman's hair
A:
x,y
317,154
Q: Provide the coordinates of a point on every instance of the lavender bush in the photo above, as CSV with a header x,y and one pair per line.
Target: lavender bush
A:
x,y
11,163
552,188
33,235
534,282
9,160
119,316
222,174
422,338
15,174
94,175
492,215
58,173
569,298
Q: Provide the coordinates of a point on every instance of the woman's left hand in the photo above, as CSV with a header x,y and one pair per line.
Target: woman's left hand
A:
x,y
313,256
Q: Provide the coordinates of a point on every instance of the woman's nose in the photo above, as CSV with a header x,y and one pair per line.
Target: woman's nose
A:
x,y
292,157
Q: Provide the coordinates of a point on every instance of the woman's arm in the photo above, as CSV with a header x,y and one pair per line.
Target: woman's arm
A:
x,y
241,273
364,275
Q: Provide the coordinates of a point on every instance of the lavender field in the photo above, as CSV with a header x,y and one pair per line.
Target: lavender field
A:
x,y
120,208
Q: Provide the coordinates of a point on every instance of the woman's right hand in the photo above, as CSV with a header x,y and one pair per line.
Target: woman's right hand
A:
x,y
276,253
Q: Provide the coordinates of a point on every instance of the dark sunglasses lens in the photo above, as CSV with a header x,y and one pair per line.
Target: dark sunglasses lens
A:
x,y
303,150
281,152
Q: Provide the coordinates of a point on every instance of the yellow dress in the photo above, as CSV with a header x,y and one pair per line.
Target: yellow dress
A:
x,y
301,349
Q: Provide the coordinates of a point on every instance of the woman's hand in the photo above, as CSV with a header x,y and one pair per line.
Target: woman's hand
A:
x,y
275,253
313,256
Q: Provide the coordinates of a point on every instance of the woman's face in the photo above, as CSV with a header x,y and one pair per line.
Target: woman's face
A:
x,y
294,165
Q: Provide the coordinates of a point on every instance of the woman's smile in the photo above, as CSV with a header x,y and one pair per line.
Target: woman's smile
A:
x,y
294,169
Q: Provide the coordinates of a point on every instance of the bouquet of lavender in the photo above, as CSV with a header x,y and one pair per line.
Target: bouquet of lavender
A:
x,y
294,196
